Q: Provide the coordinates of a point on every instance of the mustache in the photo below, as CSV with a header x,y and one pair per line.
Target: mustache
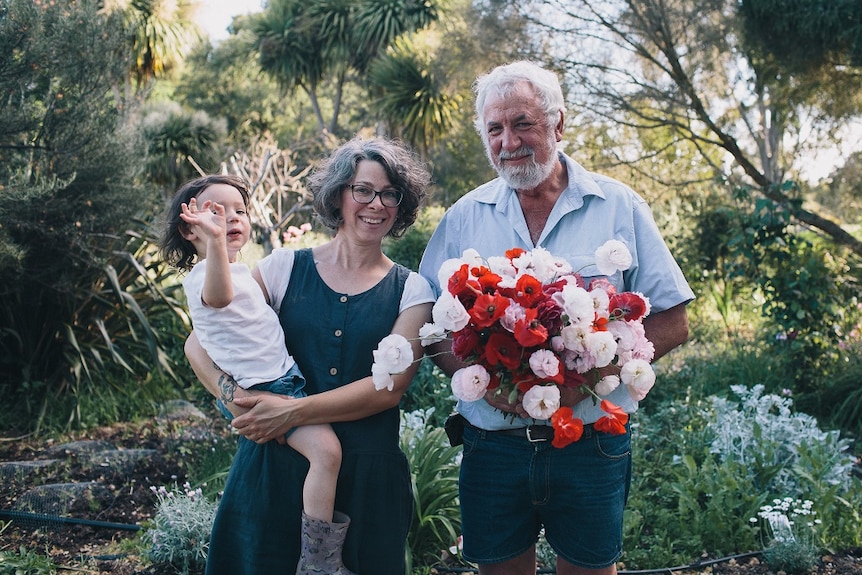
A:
x,y
524,150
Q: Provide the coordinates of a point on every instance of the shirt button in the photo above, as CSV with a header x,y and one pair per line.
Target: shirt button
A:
x,y
333,371
338,333
343,299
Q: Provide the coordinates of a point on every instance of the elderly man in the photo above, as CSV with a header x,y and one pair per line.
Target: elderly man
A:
x,y
513,482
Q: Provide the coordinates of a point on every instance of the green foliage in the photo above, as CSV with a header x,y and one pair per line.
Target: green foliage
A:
x,y
808,293
180,532
434,472
174,135
81,288
805,35
408,249
412,97
429,392
703,467
26,562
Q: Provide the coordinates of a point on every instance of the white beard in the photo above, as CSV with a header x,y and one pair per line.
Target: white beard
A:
x,y
526,177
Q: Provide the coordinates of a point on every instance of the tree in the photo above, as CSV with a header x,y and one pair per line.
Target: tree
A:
x,y
307,44
159,35
680,66
70,191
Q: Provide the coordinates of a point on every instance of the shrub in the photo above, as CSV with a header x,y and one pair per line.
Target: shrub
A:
x,y
701,467
180,533
790,526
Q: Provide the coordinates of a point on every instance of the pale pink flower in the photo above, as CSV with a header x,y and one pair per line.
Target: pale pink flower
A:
x,y
470,383
639,376
430,334
449,313
394,354
576,303
541,401
545,363
513,313
607,384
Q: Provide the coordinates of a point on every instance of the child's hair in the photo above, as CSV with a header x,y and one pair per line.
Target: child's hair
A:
x,y
175,249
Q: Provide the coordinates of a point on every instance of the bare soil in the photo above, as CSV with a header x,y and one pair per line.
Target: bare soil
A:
x,y
96,549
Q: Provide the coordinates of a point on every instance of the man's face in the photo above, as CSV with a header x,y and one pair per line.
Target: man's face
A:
x,y
519,142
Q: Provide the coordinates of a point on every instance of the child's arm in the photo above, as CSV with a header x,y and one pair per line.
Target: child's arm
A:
x,y
209,225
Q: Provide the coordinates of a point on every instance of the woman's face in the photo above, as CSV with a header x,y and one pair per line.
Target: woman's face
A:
x,y
372,221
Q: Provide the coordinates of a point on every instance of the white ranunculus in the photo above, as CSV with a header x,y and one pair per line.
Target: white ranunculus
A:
x,y
577,304
613,256
541,401
449,313
394,354
601,346
503,267
607,384
430,334
382,378
639,376
470,383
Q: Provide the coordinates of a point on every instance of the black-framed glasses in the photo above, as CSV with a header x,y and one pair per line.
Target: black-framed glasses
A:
x,y
365,195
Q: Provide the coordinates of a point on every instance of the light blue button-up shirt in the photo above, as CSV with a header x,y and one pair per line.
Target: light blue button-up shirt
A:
x,y
591,210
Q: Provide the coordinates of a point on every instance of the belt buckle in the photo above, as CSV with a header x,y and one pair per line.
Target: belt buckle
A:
x,y
530,436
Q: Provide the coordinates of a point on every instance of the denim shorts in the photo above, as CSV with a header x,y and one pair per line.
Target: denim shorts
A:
x,y
510,488
291,383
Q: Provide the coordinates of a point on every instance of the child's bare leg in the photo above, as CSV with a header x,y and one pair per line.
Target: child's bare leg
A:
x,y
320,446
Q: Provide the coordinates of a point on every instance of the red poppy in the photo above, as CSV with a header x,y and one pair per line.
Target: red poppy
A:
x,y
528,291
567,429
486,279
615,422
600,323
458,281
504,350
630,306
515,253
529,331
487,309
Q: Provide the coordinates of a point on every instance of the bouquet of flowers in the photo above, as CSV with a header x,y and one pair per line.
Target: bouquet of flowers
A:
x,y
527,325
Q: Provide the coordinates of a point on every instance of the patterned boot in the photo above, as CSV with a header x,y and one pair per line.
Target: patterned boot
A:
x,y
321,546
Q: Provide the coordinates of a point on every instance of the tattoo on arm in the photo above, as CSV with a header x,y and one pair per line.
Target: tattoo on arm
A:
x,y
227,386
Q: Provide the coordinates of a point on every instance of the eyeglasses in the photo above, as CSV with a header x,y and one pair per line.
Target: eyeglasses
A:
x,y
365,195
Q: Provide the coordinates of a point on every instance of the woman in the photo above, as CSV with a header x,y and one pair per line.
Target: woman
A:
x,y
335,303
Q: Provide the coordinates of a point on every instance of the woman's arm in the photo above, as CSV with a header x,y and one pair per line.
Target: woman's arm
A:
x,y
271,416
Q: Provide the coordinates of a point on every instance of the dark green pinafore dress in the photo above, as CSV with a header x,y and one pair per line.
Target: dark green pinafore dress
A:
x,y
257,528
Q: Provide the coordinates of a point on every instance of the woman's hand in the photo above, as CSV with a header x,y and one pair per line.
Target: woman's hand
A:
x,y
269,417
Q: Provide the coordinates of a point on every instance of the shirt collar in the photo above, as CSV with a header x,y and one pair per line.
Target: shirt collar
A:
x,y
581,183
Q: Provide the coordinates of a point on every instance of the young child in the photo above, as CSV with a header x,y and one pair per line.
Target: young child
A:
x,y
208,224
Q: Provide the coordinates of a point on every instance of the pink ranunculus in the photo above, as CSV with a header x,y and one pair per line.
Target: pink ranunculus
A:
x,y
470,383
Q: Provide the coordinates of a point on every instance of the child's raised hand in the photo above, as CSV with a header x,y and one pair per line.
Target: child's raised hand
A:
x,y
207,221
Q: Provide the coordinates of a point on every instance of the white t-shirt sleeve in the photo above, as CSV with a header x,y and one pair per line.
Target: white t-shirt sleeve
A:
x,y
275,269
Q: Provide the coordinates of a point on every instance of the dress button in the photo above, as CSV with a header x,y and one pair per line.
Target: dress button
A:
x,y
343,299
333,371
338,333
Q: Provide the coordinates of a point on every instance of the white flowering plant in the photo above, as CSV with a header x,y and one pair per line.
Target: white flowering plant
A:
x,y
527,324
180,534
791,524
